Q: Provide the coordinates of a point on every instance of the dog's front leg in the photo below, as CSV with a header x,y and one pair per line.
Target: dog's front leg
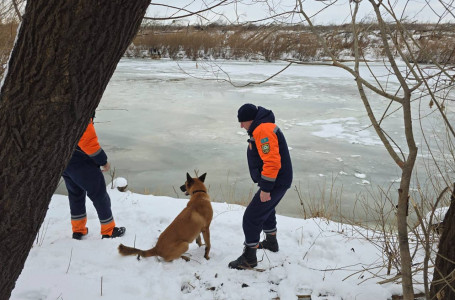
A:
x,y
206,235
198,240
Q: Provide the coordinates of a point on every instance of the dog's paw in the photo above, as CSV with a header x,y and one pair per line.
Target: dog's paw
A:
x,y
186,258
207,251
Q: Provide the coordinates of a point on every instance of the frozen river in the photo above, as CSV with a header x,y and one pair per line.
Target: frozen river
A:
x,y
156,123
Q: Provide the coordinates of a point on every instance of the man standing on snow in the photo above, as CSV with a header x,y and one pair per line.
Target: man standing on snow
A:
x,y
270,167
83,177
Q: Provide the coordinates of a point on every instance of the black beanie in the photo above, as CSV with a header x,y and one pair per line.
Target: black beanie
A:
x,y
247,112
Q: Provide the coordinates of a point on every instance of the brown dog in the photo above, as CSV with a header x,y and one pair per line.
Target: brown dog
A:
x,y
194,219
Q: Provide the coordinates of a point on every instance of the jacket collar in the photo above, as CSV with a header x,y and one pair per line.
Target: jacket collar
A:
x,y
263,116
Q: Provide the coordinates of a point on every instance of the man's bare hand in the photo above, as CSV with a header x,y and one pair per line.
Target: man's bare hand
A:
x,y
106,167
265,196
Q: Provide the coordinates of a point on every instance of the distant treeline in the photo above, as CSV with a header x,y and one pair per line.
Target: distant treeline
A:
x,y
428,42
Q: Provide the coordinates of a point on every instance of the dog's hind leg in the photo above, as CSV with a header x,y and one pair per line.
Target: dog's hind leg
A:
x,y
175,251
206,235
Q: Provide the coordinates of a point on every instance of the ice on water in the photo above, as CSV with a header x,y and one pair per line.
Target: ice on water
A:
x,y
156,122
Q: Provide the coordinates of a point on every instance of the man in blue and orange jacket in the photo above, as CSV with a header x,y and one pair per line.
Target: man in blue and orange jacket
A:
x,y
83,177
270,167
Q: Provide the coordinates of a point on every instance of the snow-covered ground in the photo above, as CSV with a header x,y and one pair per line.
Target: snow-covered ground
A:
x,y
317,257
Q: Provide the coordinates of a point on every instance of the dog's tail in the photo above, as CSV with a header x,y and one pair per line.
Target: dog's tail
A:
x,y
125,250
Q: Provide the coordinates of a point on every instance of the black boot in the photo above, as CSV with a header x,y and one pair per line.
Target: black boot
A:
x,y
247,260
117,232
270,243
79,235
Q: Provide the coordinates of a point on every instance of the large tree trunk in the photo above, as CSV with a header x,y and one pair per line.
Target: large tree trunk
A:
x,y
443,284
65,54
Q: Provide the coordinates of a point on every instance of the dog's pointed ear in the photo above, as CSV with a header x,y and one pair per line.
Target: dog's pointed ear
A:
x,y
202,177
188,178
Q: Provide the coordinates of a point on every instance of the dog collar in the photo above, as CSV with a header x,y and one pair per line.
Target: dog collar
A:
x,y
198,192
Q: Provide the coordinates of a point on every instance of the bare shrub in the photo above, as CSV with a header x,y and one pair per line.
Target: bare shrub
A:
x,y
437,51
274,42
323,202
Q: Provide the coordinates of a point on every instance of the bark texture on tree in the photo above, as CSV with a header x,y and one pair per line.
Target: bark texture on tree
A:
x,y
443,284
65,55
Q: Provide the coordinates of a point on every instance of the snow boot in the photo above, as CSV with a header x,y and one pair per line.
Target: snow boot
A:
x,y
270,243
79,235
247,260
117,232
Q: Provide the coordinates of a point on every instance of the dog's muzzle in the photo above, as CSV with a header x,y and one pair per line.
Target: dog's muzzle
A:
x,y
183,189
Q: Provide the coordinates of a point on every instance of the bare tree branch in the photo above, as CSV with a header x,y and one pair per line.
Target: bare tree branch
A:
x,y
184,16
16,8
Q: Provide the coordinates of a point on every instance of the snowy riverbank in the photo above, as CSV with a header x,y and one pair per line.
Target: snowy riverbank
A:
x,y
317,257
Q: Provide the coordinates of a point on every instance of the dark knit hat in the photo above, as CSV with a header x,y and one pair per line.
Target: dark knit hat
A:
x,y
247,112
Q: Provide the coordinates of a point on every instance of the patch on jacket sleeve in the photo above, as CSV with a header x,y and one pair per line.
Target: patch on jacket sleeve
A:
x,y
264,140
265,148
